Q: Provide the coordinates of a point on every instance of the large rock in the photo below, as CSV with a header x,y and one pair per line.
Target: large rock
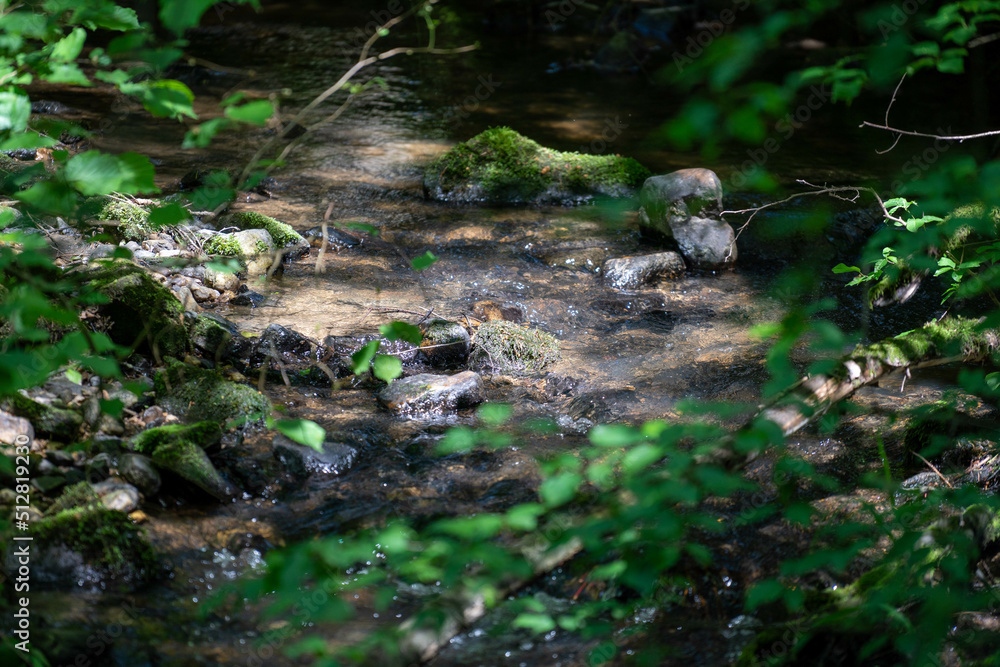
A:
x,y
253,247
196,394
505,347
433,393
139,308
302,461
286,239
631,272
47,420
684,205
499,166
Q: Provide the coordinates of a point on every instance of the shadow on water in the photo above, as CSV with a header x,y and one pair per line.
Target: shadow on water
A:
x,y
626,356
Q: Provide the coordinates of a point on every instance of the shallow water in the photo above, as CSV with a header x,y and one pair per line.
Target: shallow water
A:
x,y
626,356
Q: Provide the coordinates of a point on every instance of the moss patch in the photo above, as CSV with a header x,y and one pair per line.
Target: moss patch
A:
x,y
204,434
223,244
134,219
107,540
282,234
500,166
140,307
200,394
189,461
951,336
506,347
48,421
79,495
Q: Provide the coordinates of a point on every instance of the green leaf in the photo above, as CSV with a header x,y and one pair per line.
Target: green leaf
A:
x,y
401,331
560,489
256,113
387,367
303,431
69,47
15,109
613,435
74,376
200,136
168,98
538,623
168,214
112,407
179,15
843,268
494,414
423,261
524,517
763,592
362,359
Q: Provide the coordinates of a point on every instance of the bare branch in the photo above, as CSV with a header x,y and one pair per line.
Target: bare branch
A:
x,y
942,137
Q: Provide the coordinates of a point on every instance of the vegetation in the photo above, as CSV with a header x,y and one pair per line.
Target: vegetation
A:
x,y
641,511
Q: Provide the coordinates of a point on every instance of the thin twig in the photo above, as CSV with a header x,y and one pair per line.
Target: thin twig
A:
x,y
942,137
931,466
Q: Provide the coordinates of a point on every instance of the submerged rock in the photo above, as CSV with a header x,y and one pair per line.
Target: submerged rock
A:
x,y
631,272
433,393
499,166
684,205
301,461
506,347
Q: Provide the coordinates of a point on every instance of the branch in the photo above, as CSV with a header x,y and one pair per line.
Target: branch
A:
x,y
942,137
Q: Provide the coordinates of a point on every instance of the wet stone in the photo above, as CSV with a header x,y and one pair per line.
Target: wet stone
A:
x,y
139,471
13,429
631,272
301,461
247,297
706,243
445,343
433,393
118,496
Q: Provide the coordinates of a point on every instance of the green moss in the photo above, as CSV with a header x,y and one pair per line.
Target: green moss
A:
x,y
189,461
951,336
48,421
282,234
9,165
79,495
199,394
134,219
204,434
223,244
511,348
140,307
501,166
107,539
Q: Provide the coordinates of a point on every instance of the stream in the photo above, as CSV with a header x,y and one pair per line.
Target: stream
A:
x,y
627,356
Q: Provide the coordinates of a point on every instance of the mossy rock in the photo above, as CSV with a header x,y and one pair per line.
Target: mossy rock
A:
x,y
190,462
253,247
140,309
133,219
214,336
200,394
506,347
57,423
499,166
204,434
110,547
284,236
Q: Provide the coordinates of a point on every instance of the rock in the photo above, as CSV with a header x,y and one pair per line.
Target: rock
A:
x,y
342,347
220,280
197,394
247,297
706,243
132,220
505,347
445,343
286,345
433,393
499,166
89,545
189,461
48,421
215,337
202,293
683,206
98,468
302,461
118,496
253,247
631,272
15,430
204,434
287,240
138,470
139,308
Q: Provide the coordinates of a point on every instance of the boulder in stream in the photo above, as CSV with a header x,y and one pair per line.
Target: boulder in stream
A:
x,y
197,394
286,239
631,272
499,166
139,308
301,461
445,343
181,450
253,247
684,205
433,393
505,347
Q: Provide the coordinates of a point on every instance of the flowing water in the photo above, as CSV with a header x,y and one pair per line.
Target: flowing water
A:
x,y
626,356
